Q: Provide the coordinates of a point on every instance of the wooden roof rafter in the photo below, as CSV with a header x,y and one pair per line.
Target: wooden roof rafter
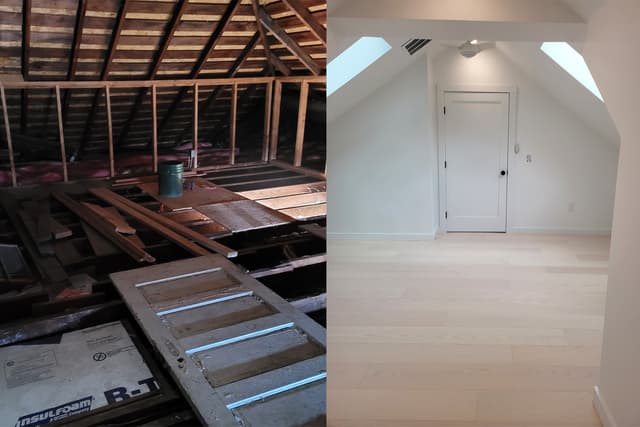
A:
x,y
77,38
271,58
308,19
104,75
231,9
176,18
26,49
293,47
232,72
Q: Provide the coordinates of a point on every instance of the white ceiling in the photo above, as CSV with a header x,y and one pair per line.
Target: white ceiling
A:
x,y
524,54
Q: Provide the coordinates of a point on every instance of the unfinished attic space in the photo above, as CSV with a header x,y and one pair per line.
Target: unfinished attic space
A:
x,y
162,212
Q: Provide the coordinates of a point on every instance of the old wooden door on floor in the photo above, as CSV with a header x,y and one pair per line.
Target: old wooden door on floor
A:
x,y
241,354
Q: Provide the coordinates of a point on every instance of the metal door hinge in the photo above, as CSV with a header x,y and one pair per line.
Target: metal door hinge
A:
x,y
446,215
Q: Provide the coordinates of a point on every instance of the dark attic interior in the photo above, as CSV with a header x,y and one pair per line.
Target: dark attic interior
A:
x,y
163,212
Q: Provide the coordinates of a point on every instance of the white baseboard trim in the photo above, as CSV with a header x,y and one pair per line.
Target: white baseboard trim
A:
x,y
560,230
602,409
380,236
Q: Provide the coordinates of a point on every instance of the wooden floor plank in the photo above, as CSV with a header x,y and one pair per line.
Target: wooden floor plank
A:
x,y
243,215
469,330
196,192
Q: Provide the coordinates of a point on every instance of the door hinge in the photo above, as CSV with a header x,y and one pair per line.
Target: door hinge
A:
x,y
444,110
445,164
446,215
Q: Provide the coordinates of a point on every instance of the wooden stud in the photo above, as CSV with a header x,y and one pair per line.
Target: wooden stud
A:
x,y
63,154
195,126
232,127
289,43
154,114
302,121
308,19
7,129
267,121
112,166
275,121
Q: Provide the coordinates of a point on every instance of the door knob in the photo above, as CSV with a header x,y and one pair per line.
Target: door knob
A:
x,y
503,173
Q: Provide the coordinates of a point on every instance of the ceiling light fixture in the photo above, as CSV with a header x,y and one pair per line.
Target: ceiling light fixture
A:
x,y
474,41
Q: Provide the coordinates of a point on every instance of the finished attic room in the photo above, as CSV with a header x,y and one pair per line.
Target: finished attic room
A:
x,y
163,212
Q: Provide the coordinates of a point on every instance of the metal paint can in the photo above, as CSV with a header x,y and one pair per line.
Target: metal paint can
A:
x,y
170,178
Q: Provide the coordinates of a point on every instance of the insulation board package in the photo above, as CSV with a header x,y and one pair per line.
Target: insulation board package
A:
x,y
68,374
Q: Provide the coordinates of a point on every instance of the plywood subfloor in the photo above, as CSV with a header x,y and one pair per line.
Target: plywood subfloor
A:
x,y
469,330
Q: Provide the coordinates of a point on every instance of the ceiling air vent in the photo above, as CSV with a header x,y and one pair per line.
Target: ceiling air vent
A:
x,y
414,45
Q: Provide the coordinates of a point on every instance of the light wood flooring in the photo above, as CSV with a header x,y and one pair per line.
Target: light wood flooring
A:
x,y
470,330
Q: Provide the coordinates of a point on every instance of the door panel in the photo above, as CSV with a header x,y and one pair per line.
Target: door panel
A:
x,y
476,150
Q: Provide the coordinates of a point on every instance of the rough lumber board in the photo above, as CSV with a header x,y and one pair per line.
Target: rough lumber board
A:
x,y
199,192
290,265
22,331
243,215
307,212
103,227
289,43
101,246
169,229
309,304
112,216
48,267
289,190
308,19
295,201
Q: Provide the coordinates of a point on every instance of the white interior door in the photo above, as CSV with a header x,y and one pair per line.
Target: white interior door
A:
x,y
476,132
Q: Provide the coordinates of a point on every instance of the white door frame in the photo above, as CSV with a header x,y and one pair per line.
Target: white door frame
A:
x,y
442,176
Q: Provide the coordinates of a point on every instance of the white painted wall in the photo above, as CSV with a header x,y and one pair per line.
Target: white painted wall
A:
x,y
381,162
609,51
383,156
569,185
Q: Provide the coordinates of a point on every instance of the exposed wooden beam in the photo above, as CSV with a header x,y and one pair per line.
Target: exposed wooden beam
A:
x,y
215,38
196,98
231,73
63,153
154,116
115,38
233,123
176,18
308,19
290,44
302,121
263,36
267,121
7,130
26,37
112,166
275,121
77,38
123,84
104,75
231,9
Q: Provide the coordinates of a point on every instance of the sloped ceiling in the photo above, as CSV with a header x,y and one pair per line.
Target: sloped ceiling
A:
x,y
524,54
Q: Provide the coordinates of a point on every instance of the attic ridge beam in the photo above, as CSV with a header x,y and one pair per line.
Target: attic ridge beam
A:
x,y
285,39
179,10
263,37
231,10
308,19
77,37
232,72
